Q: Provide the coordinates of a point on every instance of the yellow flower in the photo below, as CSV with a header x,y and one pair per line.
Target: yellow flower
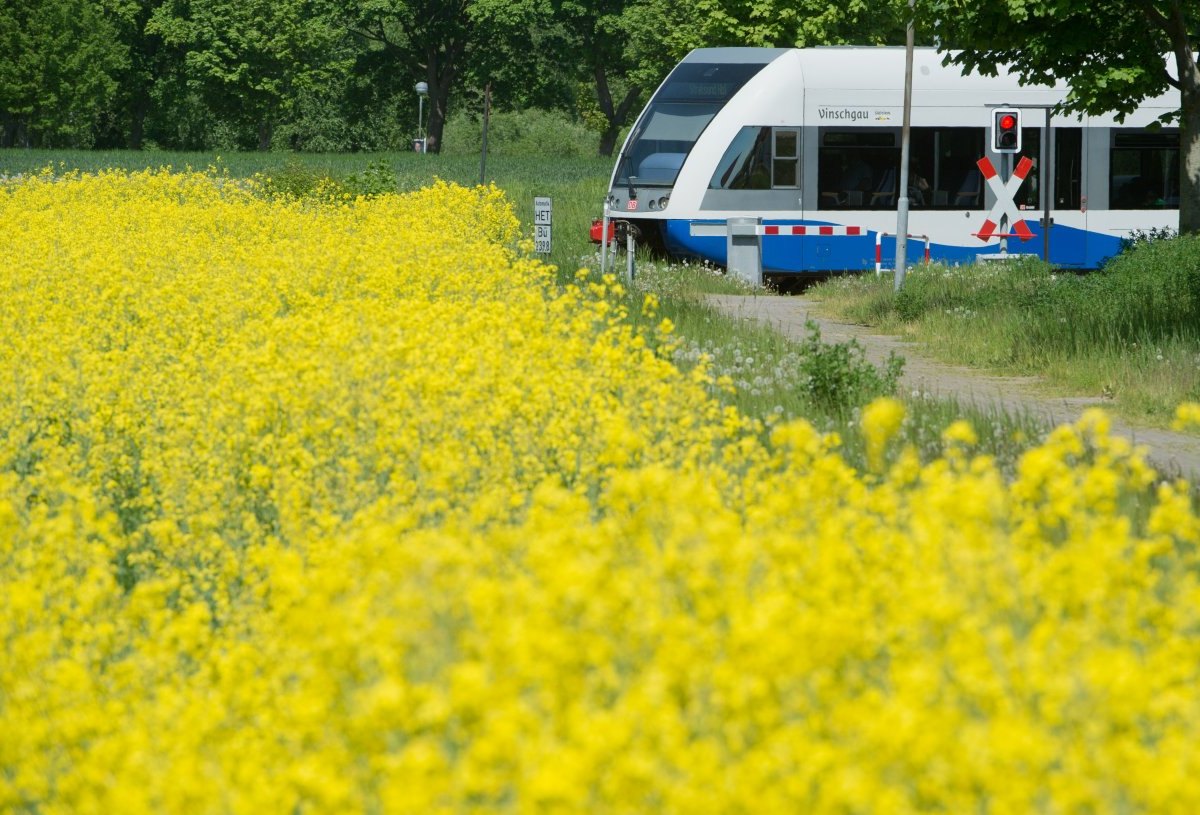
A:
x,y
960,432
881,421
345,506
1187,417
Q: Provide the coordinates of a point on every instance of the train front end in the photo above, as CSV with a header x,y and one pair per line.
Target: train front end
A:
x,y
657,151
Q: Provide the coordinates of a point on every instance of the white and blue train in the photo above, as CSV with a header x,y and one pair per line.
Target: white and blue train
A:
x,y
811,137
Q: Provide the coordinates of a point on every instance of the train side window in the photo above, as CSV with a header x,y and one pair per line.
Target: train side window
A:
x,y
746,164
944,173
856,168
1144,169
1028,195
787,158
1068,167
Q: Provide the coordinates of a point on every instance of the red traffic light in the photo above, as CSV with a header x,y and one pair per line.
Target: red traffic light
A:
x,y
1006,130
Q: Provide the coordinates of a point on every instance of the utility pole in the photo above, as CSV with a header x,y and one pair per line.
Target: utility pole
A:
x,y
902,200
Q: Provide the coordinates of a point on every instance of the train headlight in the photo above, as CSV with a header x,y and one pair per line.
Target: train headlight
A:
x,y
653,204
662,202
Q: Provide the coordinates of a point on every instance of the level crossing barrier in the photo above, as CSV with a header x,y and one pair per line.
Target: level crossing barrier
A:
x,y
879,236
743,236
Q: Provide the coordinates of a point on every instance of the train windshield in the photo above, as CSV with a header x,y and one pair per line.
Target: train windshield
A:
x,y
675,118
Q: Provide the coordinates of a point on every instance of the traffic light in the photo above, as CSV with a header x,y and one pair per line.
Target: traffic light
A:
x,y
1006,130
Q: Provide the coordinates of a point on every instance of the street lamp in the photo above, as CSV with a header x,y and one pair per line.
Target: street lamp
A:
x,y
422,90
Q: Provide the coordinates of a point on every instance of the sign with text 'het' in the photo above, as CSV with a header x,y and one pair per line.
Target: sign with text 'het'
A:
x,y
542,218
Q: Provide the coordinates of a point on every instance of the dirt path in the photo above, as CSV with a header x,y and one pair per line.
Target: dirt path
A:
x,y
1171,453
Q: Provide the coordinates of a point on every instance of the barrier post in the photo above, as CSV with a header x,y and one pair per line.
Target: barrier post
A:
x,y
604,242
743,249
630,248
879,236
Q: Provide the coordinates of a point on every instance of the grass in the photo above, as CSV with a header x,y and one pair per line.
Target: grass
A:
x,y
770,377
776,379
1130,332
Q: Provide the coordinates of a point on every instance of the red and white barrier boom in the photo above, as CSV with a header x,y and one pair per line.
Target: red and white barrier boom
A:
x,y
879,236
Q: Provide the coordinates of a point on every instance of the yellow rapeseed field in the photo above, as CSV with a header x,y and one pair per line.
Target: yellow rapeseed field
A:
x,y
347,507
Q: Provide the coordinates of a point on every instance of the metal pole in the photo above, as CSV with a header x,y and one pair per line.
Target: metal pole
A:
x,y
1005,174
630,246
421,88
1044,185
604,240
902,201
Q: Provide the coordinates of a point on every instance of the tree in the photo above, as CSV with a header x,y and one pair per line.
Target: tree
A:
x,y
249,58
57,61
406,41
771,23
147,62
526,54
598,42
1111,53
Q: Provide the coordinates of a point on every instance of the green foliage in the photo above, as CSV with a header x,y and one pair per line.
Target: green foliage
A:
x,y
780,23
534,133
838,377
1149,293
339,75
1130,331
249,57
378,178
294,180
1110,52
1139,237
58,59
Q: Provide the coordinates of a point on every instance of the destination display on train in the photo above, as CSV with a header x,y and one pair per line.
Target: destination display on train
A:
x,y
705,82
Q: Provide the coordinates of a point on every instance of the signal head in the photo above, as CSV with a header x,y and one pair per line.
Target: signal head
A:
x,y
1006,130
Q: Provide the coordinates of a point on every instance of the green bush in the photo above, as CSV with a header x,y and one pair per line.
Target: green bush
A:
x,y
531,132
294,179
837,377
1153,290
378,178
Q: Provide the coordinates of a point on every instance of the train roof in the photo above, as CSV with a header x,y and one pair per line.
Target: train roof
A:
x,y
844,73
864,67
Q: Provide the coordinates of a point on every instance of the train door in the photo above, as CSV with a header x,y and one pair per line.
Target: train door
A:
x,y
1068,207
784,253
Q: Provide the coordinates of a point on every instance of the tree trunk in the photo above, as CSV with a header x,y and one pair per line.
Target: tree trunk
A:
x,y
137,126
264,135
1189,161
436,126
1189,143
614,116
8,130
441,69
1176,27
608,139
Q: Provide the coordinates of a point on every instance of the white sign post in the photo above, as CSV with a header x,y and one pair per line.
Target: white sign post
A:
x,y
542,219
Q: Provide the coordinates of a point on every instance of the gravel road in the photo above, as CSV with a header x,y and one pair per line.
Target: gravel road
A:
x,y
1172,454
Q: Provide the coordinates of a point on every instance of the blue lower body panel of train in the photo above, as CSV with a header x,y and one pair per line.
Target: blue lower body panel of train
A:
x,y
782,254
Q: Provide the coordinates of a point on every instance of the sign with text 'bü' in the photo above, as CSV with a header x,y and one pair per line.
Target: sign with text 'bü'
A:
x,y
541,225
